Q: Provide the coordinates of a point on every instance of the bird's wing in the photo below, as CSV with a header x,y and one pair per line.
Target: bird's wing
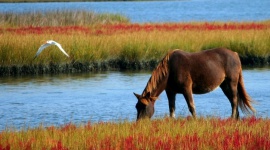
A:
x,y
60,47
41,48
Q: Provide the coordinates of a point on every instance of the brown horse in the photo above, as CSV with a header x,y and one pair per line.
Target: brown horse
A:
x,y
198,73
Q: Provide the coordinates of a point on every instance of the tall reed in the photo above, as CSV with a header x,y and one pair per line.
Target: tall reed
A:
x,y
20,49
59,18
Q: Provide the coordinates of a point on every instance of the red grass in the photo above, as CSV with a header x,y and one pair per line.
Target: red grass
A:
x,y
49,29
184,26
218,134
124,28
59,146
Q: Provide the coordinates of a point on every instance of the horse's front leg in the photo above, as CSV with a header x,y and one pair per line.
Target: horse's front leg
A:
x,y
171,99
190,102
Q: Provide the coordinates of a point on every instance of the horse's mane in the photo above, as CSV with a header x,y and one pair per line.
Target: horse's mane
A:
x,y
158,74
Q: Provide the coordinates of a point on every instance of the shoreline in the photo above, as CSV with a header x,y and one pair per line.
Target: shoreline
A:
x,y
110,65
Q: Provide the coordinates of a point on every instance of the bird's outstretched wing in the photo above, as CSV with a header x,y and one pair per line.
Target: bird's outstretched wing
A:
x,y
60,47
42,47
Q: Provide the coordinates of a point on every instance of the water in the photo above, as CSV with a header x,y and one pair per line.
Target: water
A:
x,y
161,11
107,96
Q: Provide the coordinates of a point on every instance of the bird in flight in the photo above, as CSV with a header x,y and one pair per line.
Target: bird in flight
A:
x,y
48,43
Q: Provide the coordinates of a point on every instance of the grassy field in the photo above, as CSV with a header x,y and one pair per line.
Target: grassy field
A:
x,y
95,42
164,133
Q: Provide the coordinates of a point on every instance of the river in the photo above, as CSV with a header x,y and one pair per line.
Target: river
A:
x,y
161,11
29,101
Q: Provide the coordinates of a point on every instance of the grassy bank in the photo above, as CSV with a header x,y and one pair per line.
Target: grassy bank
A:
x,y
109,42
181,133
59,18
125,46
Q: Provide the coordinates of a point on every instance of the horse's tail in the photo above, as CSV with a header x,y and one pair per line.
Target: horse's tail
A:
x,y
244,100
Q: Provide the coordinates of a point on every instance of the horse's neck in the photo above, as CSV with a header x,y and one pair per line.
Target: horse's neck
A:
x,y
158,80
156,86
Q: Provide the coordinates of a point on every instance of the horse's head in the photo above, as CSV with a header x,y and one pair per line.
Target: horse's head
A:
x,y
145,106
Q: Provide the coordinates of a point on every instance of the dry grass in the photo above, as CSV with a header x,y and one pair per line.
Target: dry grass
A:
x,y
59,18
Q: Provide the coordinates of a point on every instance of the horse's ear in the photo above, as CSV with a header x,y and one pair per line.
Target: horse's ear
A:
x,y
148,94
137,95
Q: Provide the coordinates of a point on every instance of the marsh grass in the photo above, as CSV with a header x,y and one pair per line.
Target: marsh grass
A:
x,y
126,47
59,18
20,49
162,133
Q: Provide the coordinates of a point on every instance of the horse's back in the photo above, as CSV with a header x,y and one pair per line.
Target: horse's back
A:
x,y
218,57
205,70
229,60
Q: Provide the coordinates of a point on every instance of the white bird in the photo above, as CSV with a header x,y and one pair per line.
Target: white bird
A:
x,y
48,43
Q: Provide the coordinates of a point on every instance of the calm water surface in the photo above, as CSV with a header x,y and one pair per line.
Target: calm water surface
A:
x,y
161,11
107,96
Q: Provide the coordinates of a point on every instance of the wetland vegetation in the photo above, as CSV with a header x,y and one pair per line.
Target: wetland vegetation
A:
x,y
163,133
114,44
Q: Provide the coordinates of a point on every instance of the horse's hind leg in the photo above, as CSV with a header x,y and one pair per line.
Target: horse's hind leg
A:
x,y
190,102
171,99
229,88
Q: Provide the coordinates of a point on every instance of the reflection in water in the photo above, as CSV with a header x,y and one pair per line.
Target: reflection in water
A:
x,y
106,96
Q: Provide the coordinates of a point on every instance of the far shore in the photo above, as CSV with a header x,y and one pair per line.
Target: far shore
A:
x,y
111,65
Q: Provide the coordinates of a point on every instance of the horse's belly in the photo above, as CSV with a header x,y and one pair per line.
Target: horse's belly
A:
x,y
207,85
203,90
